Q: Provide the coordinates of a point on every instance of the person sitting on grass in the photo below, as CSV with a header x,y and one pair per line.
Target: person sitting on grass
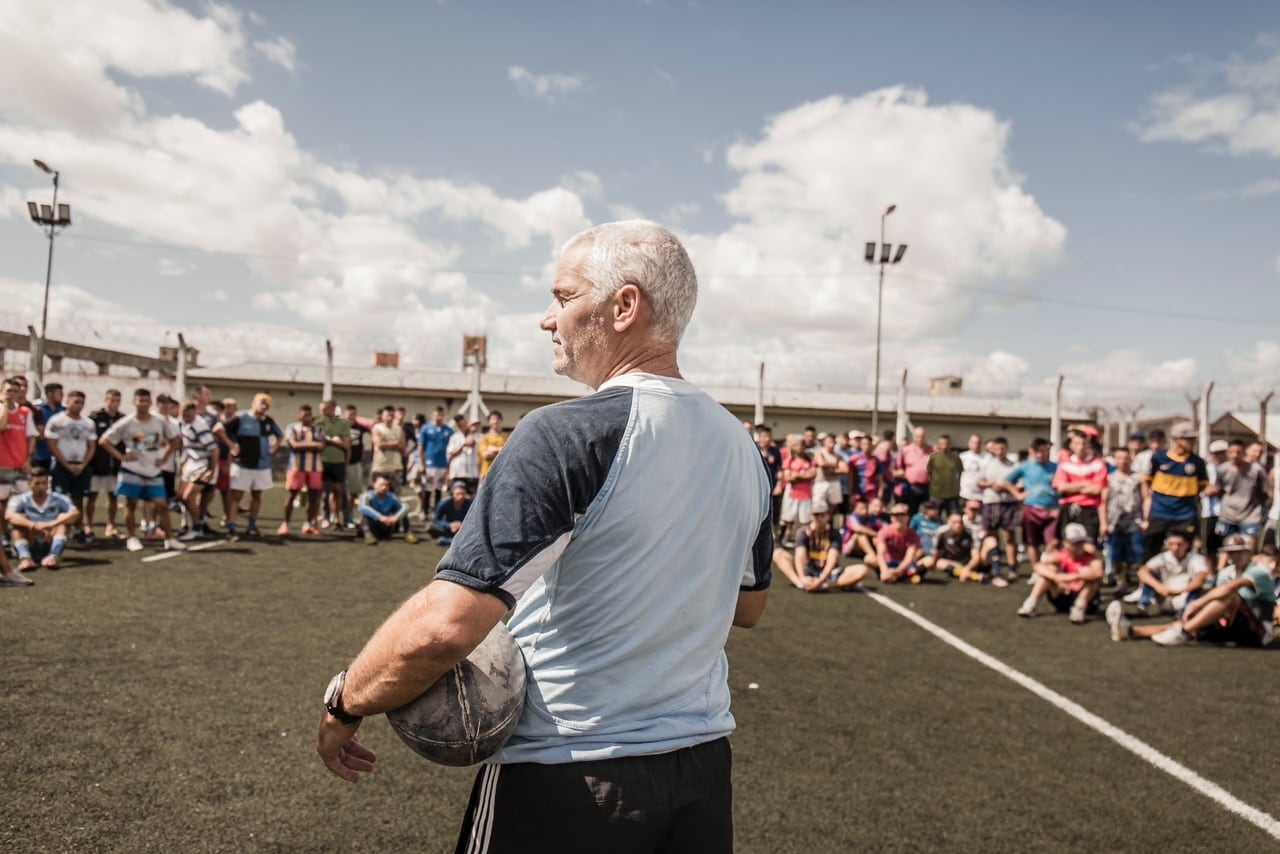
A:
x,y
927,523
450,514
1069,577
40,521
955,552
898,548
381,512
1240,608
858,539
1174,577
815,565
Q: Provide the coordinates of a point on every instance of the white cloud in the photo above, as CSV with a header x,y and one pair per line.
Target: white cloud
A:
x,y
172,267
1231,106
217,295
1128,375
549,87
280,51
789,275
679,212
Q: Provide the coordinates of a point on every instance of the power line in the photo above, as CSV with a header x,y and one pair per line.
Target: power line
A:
x,y
1145,310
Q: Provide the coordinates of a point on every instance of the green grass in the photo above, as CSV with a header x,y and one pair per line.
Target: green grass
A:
x,y
172,706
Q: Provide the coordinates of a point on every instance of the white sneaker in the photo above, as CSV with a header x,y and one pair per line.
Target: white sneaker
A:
x,y
1117,622
133,544
193,534
1134,595
175,545
1028,608
1077,614
1172,636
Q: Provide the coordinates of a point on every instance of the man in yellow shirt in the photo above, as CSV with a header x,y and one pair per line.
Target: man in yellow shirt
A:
x,y
491,443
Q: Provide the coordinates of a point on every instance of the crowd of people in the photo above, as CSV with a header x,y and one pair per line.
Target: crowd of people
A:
x,y
1149,524
63,468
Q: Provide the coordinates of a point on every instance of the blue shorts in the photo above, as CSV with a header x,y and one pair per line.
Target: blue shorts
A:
x,y
1125,549
137,487
1249,529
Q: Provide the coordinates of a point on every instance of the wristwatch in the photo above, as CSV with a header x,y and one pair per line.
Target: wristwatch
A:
x,y
333,700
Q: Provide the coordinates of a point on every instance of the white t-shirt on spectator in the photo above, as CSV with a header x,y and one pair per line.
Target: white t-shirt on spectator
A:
x,y
73,436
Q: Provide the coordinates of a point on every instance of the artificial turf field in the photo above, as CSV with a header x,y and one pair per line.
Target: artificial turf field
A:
x,y
172,706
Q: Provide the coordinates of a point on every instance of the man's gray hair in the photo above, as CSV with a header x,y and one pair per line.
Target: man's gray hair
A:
x,y
649,256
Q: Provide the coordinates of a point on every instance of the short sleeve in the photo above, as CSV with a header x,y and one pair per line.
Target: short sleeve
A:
x,y
759,571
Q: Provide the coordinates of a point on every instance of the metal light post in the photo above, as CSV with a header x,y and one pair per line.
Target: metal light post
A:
x,y
887,256
53,217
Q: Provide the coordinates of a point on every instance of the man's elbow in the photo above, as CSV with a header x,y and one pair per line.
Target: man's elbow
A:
x,y
750,608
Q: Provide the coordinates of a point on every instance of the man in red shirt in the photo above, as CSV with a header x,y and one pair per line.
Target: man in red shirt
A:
x,y
912,467
17,441
1069,577
898,548
1081,482
798,472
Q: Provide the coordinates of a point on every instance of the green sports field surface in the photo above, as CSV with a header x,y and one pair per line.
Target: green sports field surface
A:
x,y
172,706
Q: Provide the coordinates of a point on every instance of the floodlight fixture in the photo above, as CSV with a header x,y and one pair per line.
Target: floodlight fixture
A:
x,y
42,166
871,246
902,250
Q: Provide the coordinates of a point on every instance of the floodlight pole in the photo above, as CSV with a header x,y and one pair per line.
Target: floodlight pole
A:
x,y
38,379
875,399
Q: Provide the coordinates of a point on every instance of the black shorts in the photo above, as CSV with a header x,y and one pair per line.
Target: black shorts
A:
x,y
1003,516
1245,628
1074,514
170,484
74,485
334,473
676,801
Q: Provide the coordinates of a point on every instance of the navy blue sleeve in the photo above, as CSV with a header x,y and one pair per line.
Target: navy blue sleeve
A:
x,y
762,556
551,469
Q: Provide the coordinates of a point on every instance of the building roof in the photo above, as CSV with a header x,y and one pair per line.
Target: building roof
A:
x,y
519,385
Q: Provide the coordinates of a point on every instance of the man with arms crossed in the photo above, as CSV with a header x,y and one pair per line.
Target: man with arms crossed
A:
x,y
568,517
254,438
105,468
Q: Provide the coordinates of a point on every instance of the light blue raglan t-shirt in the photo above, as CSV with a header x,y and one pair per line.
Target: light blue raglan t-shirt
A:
x,y
622,527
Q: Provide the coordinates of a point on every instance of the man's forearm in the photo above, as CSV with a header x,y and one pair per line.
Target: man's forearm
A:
x,y
435,629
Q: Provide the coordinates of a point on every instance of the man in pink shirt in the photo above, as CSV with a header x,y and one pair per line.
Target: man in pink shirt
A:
x,y
912,467
1081,482
898,548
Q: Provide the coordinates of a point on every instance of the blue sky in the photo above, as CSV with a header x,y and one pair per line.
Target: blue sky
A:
x,y
395,174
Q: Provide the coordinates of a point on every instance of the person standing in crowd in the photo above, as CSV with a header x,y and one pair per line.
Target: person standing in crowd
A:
x,y
886,451
388,448
433,446
971,459
1081,483
1124,517
229,410
148,441
49,407
357,459
826,481
771,454
198,470
1032,481
71,439
623,294
333,463
464,462
945,469
106,469
1156,441
40,520
1170,489
491,443
868,469
1245,490
1211,500
798,473
17,441
1000,506
912,468
254,436
306,443
209,414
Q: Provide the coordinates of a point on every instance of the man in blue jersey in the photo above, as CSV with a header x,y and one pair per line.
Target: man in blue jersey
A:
x,y
433,454
1171,487
254,437
40,521
637,719
381,512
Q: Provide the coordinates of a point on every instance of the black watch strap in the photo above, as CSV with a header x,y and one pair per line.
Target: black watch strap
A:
x,y
333,700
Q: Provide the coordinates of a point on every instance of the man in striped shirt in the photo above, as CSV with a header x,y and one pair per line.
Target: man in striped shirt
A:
x,y
306,442
199,471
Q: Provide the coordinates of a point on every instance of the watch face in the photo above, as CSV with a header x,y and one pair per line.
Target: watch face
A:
x,y
335,688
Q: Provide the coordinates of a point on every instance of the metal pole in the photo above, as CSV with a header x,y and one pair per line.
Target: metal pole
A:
x,y
180,381
327,393
875,400
1055,416
1262,422
901,428
1203,401
759,413
38,379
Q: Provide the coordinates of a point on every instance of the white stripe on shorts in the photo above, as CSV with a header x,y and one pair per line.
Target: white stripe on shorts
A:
x,y
482,821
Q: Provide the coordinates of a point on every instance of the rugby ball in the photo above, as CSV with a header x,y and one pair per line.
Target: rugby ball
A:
x,y
468,715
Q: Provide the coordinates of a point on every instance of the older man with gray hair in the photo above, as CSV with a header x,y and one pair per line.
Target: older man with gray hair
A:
x,y
631,526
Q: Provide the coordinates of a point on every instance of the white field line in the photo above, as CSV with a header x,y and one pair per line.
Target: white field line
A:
x,y
196,548
1208,788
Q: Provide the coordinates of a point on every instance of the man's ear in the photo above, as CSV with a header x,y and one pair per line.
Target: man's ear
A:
x,y
627,303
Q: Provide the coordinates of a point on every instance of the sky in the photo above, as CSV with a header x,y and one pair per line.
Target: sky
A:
x,y
1084,190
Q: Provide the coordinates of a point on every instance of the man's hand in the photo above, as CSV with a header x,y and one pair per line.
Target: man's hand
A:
x,y
130,456
340,750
